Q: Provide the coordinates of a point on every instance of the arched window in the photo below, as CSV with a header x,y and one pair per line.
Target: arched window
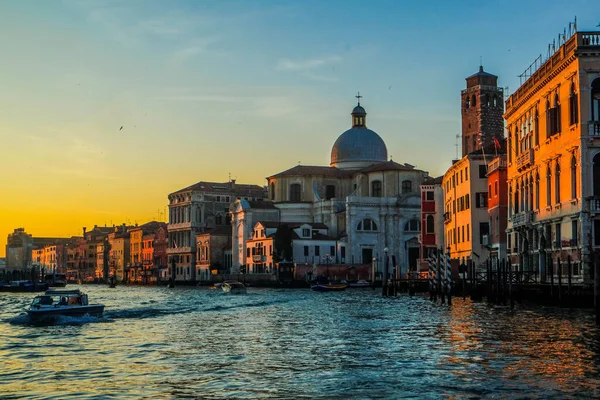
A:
x,y
367,224
486,100
412,226
516,142
537,190
536,128
557,183
376,189
219,219
573,176
596,173
406,186
295,192
548,119
596,102
272,190
548,185
329,192
467,102
530,186
509,144
473,101
496,101
517,209
557,123
510,203
430,224
573,106
526,196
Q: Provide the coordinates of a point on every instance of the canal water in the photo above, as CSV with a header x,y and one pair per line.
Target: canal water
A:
x,y
159,343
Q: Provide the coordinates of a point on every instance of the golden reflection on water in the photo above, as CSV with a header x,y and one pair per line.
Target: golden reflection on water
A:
x,y
548,349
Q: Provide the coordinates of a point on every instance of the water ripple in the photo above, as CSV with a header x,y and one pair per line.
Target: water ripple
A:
x,y
157,343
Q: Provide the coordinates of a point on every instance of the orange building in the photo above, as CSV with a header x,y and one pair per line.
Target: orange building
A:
x,y
553,130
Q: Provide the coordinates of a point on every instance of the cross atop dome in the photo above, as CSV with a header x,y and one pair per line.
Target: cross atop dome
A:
x,y
358,96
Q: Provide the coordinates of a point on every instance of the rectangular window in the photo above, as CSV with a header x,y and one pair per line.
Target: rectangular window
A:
x,y
332,251
376,189
343,252
466,173
508,243
468,234
489,191
481,200
574,233
484,230
467,205
558,236
463,233
218,199
461,176
496,189
305,232
482,171
429,195
317,251
597,232
305,251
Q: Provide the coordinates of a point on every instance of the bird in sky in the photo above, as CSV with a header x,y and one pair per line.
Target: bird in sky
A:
x,y
121,128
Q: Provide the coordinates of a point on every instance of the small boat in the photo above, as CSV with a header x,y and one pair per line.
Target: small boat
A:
x,y
56,280
23,287
233,287
72,303
328,287
112,282
360,283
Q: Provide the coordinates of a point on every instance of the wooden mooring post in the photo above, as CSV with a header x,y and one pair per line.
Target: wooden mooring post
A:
x,y
559,271
551,265
569,274
440,266
488,265
448,278
510,292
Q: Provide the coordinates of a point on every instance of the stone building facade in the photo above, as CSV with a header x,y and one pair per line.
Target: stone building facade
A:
x,y
195,209
497,207
432,219
553,129
368,203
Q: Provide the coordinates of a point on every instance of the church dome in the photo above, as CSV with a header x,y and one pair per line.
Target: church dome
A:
x,y
359,146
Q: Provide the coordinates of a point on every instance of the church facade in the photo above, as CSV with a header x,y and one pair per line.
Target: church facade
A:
x,y
369,204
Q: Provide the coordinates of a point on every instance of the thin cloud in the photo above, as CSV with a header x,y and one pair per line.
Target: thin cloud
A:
x,y
307,65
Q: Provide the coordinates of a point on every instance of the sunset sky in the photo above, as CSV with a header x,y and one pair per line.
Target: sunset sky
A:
x,y
248,88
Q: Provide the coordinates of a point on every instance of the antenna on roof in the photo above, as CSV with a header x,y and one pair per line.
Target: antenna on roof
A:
x,y
456,145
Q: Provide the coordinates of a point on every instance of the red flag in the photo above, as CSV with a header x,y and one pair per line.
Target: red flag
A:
x,y
496,142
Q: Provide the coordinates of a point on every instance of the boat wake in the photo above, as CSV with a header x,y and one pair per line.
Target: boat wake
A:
x,y
23,319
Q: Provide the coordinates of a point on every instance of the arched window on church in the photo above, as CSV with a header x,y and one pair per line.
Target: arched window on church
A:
x,y
406,186
376,189
367,224
414,225
295,192
329,192
430,224
272,190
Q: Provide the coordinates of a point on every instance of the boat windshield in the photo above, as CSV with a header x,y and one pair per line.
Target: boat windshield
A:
x,y
42,300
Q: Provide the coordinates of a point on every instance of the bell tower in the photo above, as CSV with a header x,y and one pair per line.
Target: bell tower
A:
x,y
482,106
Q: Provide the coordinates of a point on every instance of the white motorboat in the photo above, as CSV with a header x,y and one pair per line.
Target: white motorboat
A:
x,y
233,287
360,283
72,303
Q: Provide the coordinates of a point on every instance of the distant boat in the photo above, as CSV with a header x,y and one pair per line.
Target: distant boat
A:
x,y
23,287
359,284
330,287
56,280
233,287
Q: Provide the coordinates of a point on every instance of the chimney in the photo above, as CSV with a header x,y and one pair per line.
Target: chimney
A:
x,y
84,229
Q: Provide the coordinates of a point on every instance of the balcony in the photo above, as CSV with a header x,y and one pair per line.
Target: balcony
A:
x,y
179,250
259,258
594,204
447,218
496,163
525,159
594,128
522,219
